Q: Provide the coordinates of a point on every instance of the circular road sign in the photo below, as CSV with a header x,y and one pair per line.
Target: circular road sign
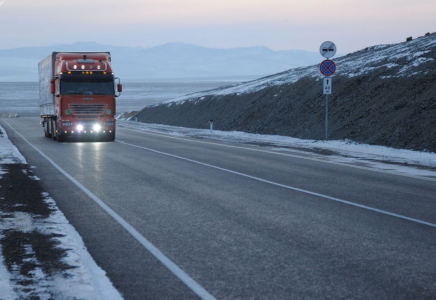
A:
x,y
327,49
327,67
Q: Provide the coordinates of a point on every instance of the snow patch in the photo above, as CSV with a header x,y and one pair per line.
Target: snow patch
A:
x,y
9,154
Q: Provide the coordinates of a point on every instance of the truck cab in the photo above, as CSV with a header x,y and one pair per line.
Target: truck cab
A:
x,y
78,96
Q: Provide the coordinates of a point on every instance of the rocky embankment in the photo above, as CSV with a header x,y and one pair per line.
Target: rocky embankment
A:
x,y
384,95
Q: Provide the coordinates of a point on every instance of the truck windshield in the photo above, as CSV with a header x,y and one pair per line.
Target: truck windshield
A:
x,y
87,86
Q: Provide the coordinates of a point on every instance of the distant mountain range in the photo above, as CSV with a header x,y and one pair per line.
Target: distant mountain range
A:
x,y
173,60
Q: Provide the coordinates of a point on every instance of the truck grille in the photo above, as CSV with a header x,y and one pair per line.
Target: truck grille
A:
x,y
88,109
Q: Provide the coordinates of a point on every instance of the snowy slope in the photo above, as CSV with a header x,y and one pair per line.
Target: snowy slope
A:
x,y
398,60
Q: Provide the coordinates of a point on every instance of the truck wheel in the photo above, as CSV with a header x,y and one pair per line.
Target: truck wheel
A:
x,y
62,138
111,137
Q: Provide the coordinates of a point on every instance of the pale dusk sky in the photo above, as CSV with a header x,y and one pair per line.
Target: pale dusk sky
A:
x,y
276,24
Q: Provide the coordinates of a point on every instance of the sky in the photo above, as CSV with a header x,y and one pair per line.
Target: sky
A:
x,y
277,24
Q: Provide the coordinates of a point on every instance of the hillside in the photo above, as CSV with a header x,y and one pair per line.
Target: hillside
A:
x,y
383,95
173,60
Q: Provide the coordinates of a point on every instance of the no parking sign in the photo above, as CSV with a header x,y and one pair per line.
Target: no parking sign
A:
x,y
327,67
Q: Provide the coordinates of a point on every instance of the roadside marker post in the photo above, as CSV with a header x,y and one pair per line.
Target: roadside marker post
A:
x,y
327,68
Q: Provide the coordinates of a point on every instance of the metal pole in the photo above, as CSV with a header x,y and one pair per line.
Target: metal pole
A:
x,y
327,117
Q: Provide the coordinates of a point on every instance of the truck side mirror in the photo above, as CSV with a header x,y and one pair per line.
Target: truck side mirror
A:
x,y
52,86
119,87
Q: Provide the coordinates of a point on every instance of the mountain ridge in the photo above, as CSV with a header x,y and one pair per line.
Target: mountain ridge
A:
x,y
171,60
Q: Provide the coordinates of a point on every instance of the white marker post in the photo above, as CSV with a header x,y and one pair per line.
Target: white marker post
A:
x,y
327,68
327,91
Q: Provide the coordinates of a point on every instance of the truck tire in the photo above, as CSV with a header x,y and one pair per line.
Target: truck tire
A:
x,y
61,138
111,137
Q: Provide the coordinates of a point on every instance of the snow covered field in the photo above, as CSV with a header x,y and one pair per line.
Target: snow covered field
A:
x,y
67,271
398,161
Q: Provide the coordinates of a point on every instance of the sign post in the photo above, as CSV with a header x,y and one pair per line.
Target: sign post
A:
x,y
327,92
327,68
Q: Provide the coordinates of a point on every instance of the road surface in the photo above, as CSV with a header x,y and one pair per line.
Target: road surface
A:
x,y
180,218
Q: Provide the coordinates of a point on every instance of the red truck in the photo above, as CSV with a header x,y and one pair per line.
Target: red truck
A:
x,y
77,95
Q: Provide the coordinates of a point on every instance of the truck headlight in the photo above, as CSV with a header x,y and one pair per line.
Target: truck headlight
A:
x,y
96,127
79,127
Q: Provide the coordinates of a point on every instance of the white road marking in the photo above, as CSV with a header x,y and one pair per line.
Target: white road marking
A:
x,y
285,186
176,270
282,154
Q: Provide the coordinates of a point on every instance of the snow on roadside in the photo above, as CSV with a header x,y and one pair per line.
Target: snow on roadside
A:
x,y
399,161
81,279
9,154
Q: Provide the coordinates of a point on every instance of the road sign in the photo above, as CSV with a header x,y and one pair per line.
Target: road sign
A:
x,y
327,49
327,67
327,86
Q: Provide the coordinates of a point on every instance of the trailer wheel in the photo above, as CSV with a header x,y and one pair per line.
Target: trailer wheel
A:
x,y
53,130
47,128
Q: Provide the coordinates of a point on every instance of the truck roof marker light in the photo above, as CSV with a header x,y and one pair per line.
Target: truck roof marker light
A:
x,y
104,73
69,72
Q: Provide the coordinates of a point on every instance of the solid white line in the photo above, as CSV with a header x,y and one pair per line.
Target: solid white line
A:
x,y
280,153
176,270
285,186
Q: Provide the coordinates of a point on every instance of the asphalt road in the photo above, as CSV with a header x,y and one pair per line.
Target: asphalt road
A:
x,y
230,222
